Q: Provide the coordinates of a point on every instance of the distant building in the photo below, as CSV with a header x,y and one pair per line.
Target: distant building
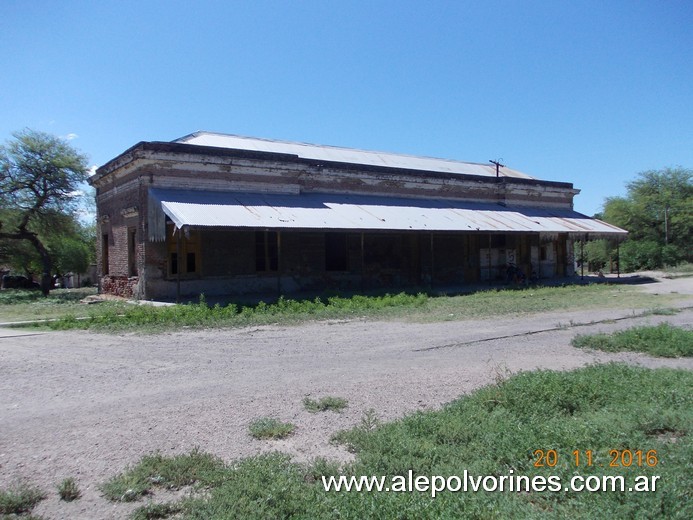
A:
x,y
227,215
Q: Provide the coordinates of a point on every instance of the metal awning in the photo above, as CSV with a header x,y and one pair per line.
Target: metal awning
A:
x,y
323,211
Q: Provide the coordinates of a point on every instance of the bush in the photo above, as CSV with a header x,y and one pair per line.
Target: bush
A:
x,y
672,255
636,255
663,340
269,428
336,404
20,500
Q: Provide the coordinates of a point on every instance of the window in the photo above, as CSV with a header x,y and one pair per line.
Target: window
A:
x,y
266,251
189,261
336,258
132,252
104,253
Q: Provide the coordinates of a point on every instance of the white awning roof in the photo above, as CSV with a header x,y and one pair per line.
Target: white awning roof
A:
x,y
320,211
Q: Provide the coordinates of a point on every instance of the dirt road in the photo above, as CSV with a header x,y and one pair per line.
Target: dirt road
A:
x,y
84,405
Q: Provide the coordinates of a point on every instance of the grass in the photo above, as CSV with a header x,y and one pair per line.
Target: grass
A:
x,y
68,490
20,500
336,404
683,270
25,305
116,317
663,340
159,471
270,428
493,431
153,511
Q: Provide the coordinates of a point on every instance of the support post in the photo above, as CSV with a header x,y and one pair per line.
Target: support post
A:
x,y
279,263
489,258
363,263
178,262
618,259
432,262
582,258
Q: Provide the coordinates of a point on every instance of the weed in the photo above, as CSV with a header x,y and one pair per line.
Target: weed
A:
x,y
369,420
270,428
660,311
664,340
20,500
154,511
599,408
113,316
336,404
157,470
68,490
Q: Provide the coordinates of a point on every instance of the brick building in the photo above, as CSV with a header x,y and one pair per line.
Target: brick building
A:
x,y
227,215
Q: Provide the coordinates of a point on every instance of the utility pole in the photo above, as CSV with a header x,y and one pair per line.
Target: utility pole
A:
x,y
498,165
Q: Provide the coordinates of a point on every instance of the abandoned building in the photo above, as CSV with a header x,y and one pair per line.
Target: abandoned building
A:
x,y
228,215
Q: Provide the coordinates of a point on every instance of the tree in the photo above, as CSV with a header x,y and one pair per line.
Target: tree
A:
x,y
39,179
658,214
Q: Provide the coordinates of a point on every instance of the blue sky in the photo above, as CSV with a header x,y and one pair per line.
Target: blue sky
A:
x,y
589,92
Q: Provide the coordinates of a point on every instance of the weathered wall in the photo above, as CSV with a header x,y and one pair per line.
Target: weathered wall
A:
x,y
227,262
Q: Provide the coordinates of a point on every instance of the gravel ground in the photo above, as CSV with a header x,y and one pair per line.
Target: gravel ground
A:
x,y
84,405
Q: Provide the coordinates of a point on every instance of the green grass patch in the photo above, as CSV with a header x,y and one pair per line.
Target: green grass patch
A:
x,y
154,511
25,305
412,307
20,500
157,470
683,270
336,404
532,300
270,428
663,340
68,490
493,431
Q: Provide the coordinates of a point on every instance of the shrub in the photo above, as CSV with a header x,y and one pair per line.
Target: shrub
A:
x,y
269,428
336,404
638,255
664,340
20,500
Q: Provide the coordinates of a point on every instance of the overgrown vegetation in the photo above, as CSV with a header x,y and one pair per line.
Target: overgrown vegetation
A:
x,y
68,490
657,214
663,340
24,305
494,431
153,511
20,500
270,428
110,316
159,471
336,404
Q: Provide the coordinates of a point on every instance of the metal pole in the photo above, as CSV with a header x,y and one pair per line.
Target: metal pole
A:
x,y
432,262
363,264
279,263
178,262
582,259
489,258
618,259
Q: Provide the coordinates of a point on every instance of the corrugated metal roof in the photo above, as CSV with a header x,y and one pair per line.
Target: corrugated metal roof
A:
x,y
363,212
347,155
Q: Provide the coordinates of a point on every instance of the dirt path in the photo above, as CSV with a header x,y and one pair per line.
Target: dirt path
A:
x,y
87,405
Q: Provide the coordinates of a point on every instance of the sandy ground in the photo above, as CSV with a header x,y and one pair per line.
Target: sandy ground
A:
x,y
84,405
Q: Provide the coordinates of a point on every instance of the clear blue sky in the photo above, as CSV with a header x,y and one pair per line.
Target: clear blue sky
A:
x,y
589,92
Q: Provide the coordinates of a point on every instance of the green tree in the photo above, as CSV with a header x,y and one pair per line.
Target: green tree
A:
x,y
658,214
40,176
